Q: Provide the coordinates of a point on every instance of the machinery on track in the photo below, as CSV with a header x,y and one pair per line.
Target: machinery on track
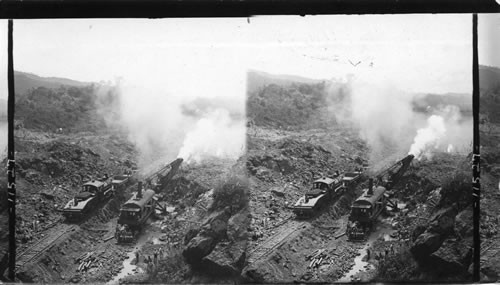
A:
x,y
134,214
141,206
367,207
323,191
91,195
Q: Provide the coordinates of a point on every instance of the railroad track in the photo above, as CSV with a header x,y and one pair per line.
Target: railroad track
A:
x,y
268,246
41,246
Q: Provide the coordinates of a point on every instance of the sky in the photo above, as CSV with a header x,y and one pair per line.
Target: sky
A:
x,y
187,57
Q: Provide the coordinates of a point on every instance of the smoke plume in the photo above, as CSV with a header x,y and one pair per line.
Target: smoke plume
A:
x,y
164,126
387,121
215,135
429,137
446,131
384,117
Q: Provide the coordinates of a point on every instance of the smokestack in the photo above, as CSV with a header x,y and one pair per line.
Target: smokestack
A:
x,y
370,186
139,189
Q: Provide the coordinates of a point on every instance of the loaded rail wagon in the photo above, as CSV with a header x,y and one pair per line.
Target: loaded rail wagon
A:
x,y
350,178
134,214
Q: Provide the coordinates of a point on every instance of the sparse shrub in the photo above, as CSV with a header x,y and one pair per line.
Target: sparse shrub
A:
x,y
456,189
170,269
231,191
398,267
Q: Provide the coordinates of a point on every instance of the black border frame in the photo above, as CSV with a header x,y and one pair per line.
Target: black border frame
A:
x,y
50,9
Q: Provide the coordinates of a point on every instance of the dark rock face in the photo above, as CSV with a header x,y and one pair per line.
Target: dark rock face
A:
x,y
440,226
202,243
278,192
197,248
226,259
452,258
463,223
425,244
443,221
190,235
237,226
220,245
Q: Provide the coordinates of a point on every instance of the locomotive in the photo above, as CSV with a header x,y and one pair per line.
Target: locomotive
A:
x,y
134,214
91,195
323,191
136,211
367,207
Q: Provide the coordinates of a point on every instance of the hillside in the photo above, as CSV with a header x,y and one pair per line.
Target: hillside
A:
x,y
463,101
490,94
26,81
488,79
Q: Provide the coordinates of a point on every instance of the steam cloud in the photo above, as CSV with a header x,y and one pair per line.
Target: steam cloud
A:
x,y
444,131
387,122
428,137
384,117
215,135
161,129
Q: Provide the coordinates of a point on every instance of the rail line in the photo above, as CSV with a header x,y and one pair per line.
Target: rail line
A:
x,y
274,241
36,250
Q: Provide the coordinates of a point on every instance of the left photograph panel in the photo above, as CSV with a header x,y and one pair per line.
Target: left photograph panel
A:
x,y
129,138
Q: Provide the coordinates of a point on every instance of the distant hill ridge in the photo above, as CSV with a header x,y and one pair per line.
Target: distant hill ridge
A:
x,y
257,79
489,77
25,81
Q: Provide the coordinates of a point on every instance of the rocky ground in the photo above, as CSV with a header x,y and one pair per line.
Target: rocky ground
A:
x,y
286,152
68,142
227,221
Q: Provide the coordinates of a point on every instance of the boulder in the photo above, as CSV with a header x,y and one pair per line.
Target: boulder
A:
x,y
226,259
454,256
443,221
197,248
425,244
215,225
284,165
191,233
463,223
262,172
278,191
237,226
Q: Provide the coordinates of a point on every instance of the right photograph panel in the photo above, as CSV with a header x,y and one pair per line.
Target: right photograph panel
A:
x,y
359,148
489,132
